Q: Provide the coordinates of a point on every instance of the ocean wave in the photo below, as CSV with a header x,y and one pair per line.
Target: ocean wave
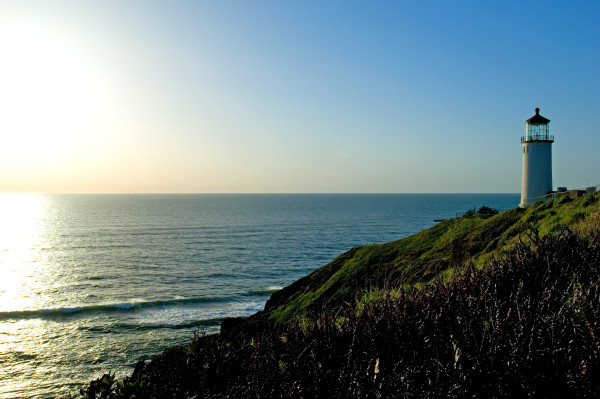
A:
x,y
131,306
106,308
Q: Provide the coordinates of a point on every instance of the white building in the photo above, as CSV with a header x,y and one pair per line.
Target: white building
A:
x,y
537,160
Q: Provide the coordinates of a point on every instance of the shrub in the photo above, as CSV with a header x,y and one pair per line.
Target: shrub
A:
x,y
486,210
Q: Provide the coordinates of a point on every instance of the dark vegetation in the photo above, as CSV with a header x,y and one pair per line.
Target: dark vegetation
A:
x,y
526,325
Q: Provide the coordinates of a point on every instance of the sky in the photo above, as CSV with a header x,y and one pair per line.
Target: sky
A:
x,y
294,96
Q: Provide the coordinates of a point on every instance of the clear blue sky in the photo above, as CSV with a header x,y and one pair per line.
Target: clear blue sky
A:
x,y
294,96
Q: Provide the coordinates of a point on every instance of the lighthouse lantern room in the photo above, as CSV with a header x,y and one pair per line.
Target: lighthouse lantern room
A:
x,y
537,160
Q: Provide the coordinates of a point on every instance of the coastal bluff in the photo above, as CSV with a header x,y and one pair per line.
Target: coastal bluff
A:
x,y
434,253
506,306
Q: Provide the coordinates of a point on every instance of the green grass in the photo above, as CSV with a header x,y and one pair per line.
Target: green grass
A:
x,y
431,254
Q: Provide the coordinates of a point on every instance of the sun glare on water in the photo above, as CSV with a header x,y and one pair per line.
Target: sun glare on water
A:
x,y
20,242
47,96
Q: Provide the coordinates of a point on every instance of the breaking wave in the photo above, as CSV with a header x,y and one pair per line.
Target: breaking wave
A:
x,y
128,306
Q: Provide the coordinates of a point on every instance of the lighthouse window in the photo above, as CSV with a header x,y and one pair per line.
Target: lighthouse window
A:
x,y
537,132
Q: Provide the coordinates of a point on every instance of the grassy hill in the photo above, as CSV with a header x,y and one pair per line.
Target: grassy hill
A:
x,y
431,254
502,307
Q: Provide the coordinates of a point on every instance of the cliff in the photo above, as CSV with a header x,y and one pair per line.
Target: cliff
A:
x,y
507,306
434,253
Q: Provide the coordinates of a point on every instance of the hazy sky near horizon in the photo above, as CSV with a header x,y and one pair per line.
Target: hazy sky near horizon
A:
x,y
293,96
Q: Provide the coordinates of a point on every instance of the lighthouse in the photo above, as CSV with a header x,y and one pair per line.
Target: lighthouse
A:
x,y
537,159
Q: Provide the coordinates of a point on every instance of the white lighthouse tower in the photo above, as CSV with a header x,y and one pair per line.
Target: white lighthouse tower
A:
x,y
537,159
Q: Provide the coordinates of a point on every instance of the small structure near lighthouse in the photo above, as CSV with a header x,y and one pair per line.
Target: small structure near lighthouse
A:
x,y
537,160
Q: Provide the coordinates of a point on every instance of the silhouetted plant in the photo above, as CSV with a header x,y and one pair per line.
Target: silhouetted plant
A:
x,y
470,213
483,212
486,210
107,387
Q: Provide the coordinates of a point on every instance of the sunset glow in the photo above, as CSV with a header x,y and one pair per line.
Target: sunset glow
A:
x,y
48,98
212,97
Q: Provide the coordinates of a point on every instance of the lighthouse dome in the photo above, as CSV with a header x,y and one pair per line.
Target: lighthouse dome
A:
x,y
537,119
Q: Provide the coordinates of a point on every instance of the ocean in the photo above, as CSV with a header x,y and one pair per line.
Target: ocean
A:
x,y
92,283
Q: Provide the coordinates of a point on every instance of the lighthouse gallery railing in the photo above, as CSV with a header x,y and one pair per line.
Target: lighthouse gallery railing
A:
x,y
538,137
